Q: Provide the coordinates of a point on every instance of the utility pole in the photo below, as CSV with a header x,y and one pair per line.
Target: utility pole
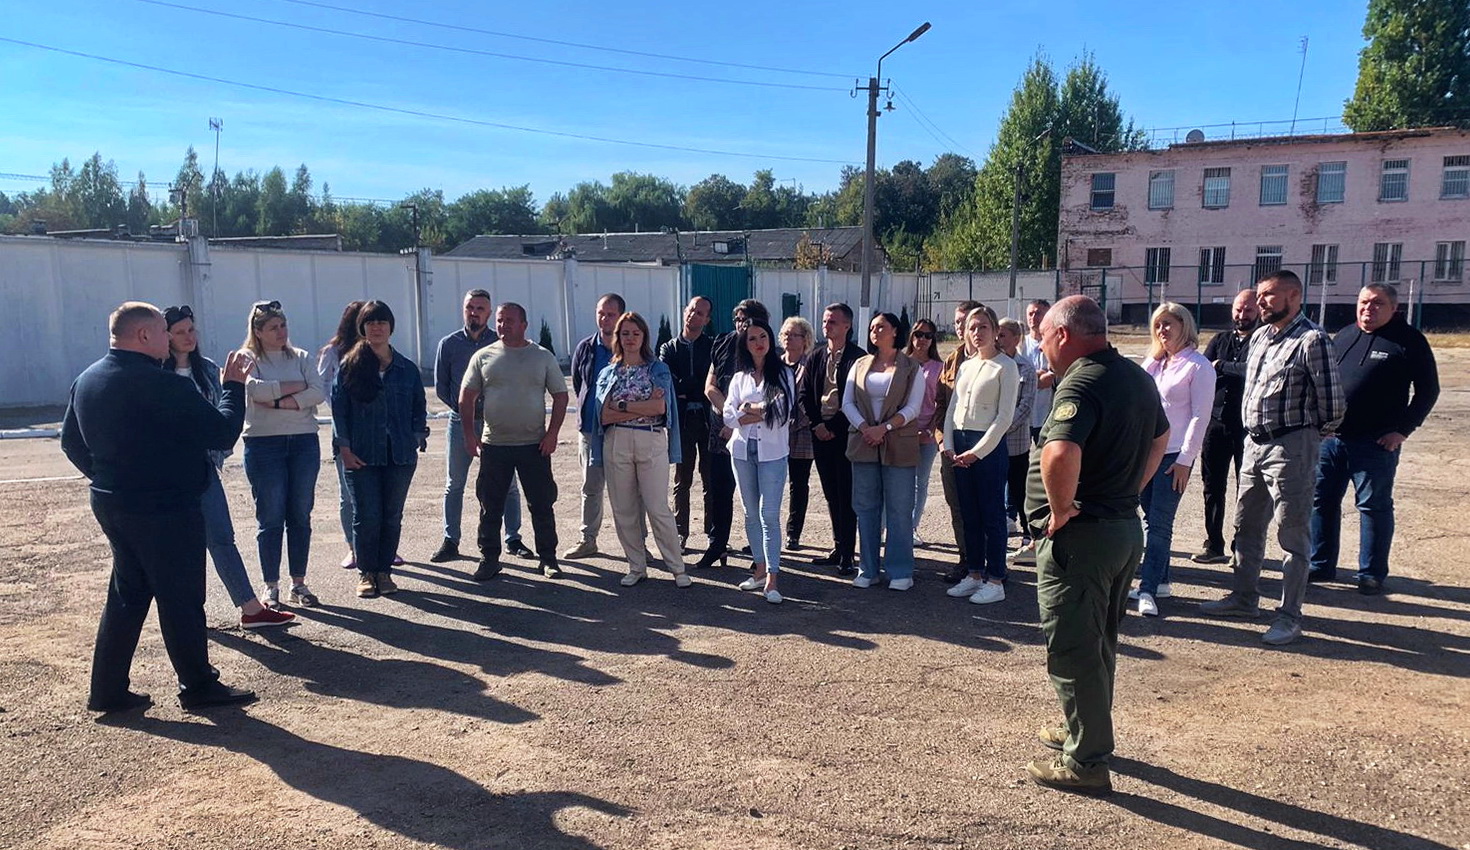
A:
x,y
1016,214
218,126
868,175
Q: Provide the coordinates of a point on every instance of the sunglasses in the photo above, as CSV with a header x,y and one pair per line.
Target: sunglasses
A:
x,y
266,305
922,335
174,315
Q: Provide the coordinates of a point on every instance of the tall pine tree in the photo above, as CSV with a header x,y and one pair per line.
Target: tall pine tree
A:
x,y
1415,71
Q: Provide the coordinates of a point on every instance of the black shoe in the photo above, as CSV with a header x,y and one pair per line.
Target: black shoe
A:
x,y
1321,576
713,554
847,569
447,551
745,550
519,549
793,542
129,701
214,696
488,569
956,575
551,569
1369,586
1209,555
831,559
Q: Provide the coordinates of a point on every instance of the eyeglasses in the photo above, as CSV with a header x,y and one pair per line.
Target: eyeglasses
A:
x,y
174,315
922,335
266,305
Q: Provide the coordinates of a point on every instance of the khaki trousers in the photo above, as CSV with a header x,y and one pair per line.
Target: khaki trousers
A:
x,y
636,463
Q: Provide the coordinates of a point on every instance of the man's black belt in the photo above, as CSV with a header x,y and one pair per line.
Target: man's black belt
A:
x,y
1260,436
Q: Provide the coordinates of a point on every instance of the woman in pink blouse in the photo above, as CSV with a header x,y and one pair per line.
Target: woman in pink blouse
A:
x,y
1186,383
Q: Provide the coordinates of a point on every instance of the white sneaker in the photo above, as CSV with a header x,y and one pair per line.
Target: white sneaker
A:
x,y
753,583
1024,555
988,593
1133,594
1164,591
966,587
863,581
1146,605
631,579
270,596
901,584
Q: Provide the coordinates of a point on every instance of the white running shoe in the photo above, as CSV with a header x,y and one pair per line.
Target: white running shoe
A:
x,y
990,592
967,587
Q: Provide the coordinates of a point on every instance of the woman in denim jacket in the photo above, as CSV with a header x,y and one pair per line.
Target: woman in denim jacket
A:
x,y
637,439
379,419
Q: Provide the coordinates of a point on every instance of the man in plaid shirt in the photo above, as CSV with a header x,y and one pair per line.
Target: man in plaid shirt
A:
x,y
1293,394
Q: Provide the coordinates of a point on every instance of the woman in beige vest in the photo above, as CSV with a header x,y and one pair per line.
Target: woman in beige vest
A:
x,y
884,393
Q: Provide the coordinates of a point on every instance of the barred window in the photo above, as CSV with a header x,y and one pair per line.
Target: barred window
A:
x,y
1273,185
1331,182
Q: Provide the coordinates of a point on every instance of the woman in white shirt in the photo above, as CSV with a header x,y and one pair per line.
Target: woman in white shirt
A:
x,y
885,391
758,409
975,427
282,455
1186,382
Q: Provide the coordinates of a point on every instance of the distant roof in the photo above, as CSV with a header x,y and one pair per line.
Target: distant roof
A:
x,y
703,246
1077,149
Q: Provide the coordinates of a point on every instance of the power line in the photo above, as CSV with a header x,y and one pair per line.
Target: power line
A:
x,y
624,51
474,52
915,107
422,114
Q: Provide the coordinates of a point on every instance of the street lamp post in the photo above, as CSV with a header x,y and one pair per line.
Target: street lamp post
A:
x,y
873,89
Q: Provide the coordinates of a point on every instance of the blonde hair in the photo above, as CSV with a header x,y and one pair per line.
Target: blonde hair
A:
x,y
260,313
1156,350
804,326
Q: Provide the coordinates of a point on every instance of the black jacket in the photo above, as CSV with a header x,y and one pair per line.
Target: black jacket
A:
x,y
1377,371
1230,350
142,434
816,377
689,362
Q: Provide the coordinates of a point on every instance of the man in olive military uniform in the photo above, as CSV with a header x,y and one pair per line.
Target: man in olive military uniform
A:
x,y
1104,437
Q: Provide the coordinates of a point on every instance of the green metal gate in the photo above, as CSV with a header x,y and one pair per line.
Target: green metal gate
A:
x,y
725,286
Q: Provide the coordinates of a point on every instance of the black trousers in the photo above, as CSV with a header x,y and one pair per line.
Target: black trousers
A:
x,y
500,464
694,444
1020,466
799,472
835,471
155,555
1223,445
719,494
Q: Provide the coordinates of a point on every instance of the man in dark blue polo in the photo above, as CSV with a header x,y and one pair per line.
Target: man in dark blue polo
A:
x,y
453,356
590,357
688,357
141,435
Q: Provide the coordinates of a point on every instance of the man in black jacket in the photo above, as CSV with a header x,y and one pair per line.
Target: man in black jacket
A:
x,y
141,435
821,393
720,484
688,358
1380,358
1225,438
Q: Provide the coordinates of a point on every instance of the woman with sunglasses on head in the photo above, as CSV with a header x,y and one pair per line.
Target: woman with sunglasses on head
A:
x,y
980,414
796,342
923,348
282,455
219,531
380,423
758,410
885,391
637,439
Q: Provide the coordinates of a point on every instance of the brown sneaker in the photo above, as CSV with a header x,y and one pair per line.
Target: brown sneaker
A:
x,y
367,585
1053,736
385,584
1056,774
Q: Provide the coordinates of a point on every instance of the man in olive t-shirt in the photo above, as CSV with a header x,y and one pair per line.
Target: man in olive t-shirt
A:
x,y
1104,437
514,376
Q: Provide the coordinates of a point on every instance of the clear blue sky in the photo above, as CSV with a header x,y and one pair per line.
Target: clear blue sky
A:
x,y
1191,64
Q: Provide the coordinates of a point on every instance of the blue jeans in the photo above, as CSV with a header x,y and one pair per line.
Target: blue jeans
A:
x,y
219,539
1371,470
882,496
378,494
457,462
282,472
1159,503
761,484
927,453
982,497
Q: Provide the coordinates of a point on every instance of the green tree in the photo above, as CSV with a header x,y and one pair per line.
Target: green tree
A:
x,y
585,209
492,211
714,204
644,202
140,212
273,205
99,195
1415,71
545,340
762,208
190,179
1089,113
665,333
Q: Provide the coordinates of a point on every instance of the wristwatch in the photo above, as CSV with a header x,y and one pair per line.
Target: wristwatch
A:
x,y
887,426
623,407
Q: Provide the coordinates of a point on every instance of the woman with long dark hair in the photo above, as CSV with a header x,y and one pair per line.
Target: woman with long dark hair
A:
x,y
328,359
923,348
980,414
758,409
636,441
282,455
885,391
219,531
379,419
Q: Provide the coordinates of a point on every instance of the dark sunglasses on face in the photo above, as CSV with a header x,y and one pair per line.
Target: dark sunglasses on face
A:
x,y
174,315
266,305
923,335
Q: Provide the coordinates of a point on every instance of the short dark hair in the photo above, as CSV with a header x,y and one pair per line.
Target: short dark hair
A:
x,y
1039,302
839,307
511,305
704,298
1387,290
966,306
616,299
1282,276
753,310
478,293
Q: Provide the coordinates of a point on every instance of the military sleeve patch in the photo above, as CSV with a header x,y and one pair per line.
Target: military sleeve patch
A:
x,y
1064,411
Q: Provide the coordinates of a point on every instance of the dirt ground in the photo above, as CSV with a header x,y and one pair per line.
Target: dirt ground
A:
x,y
574,713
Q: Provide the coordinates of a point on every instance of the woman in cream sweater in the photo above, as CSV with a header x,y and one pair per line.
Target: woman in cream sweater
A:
x,y
282,455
